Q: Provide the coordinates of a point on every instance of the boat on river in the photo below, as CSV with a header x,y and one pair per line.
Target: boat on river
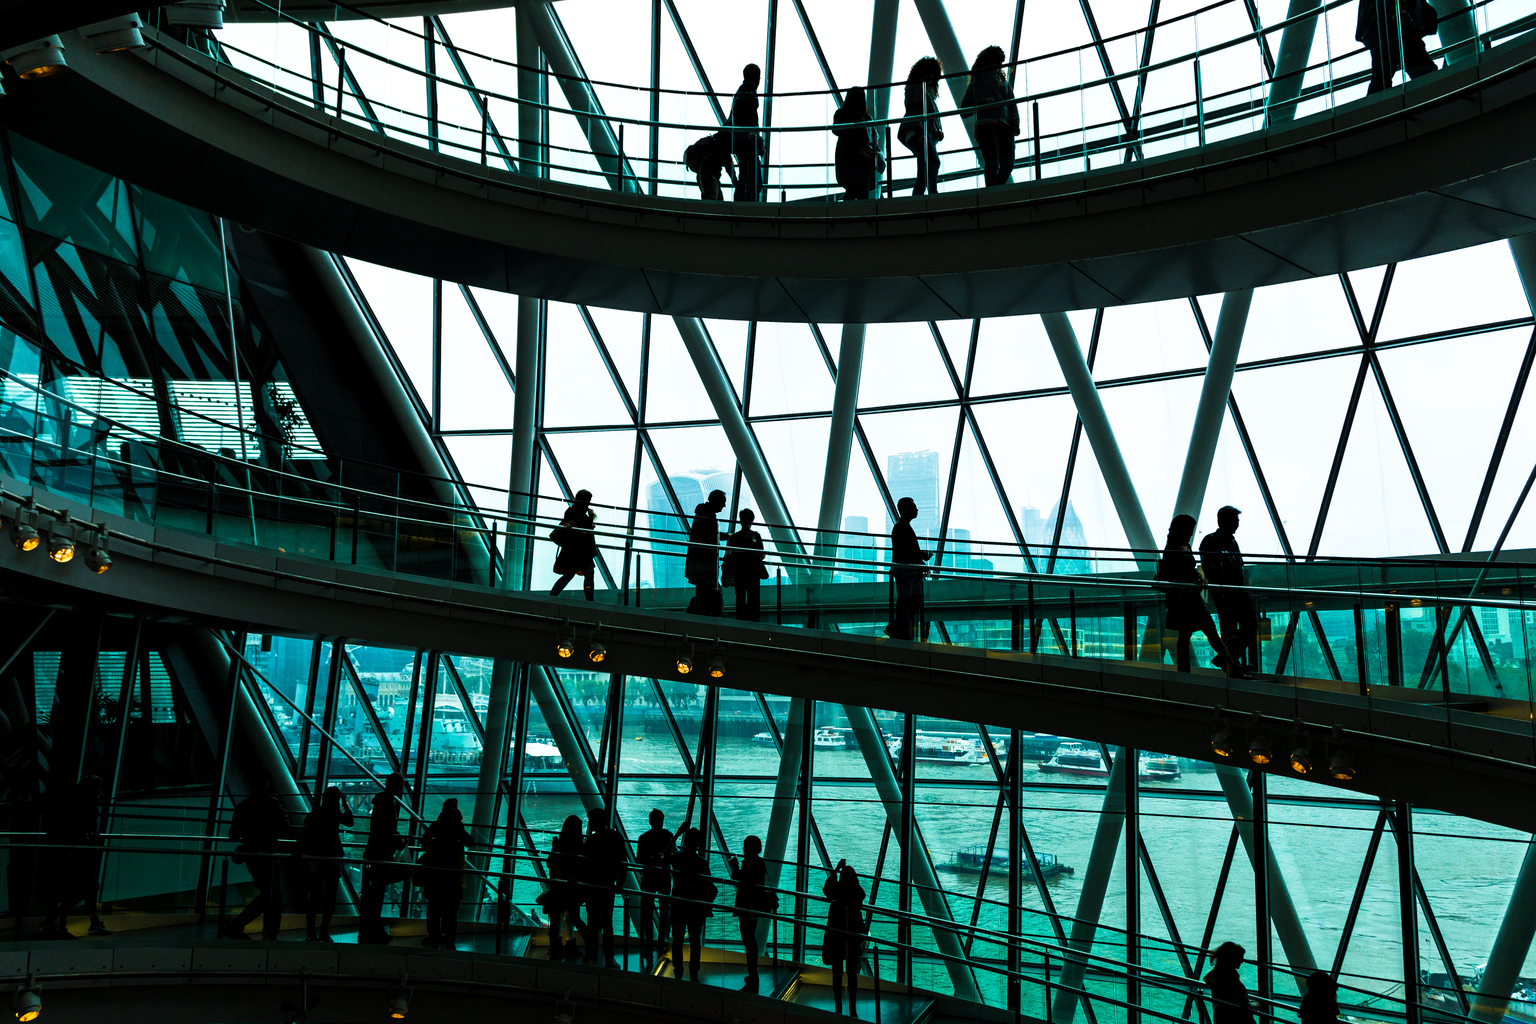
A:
x,y
1158,768
945,748
971,860
763,739
829,738
1076,760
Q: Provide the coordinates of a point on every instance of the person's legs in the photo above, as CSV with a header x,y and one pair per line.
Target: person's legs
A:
x,y
1181,657
746,172
1007,147
748,924
556,943
754,600
1416,58
587,586
987,142
450,915
560,583
434,919
932,165
837,985
328,904
272,920
906,603
313,884
695,942
599,922
920,153
1207,625
647,918
679,927
852,974
370,903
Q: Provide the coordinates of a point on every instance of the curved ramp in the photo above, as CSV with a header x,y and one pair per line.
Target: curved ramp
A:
x,y
1448,162
1407,744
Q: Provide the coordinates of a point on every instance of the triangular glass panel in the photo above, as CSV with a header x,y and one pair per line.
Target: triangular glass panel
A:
x,y
1367,287
980,539
1514,471
1098,522
1151,337
788,372
903,364
1376,954
362,747
1013,354
402,303
676,391
797,70
1299,316
620,331
1453,289
1152,424
1376,511
601,462
476,394
661,528
1295,443
796,451
385,675
484,462
1454,381
586,691
914,450
578,390
1032,474
1232,482
730,338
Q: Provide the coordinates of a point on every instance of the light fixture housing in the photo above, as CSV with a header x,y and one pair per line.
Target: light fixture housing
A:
x,y
115,34
96,557
1341,764
60,549
597,652
565,646
28,1002
1221,741
1301,759
37,59
206,14
24,535
399,1003
717,666
685,659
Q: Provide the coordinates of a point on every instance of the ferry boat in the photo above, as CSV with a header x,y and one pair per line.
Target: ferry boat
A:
x,y
1076,760
971,859
828,738
763,739
1158,768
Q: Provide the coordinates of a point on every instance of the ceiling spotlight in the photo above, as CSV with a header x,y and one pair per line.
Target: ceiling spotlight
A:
x,y
1301,759
1221,739
717,666
399,1002
207,14
28,1004
115,34
96,558
60,549
1258,747
1342,764
685,659
597,652
37,59
565,1010
566,645
25,535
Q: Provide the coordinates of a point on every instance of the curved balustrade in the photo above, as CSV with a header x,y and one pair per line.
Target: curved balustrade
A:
x,y
1217,99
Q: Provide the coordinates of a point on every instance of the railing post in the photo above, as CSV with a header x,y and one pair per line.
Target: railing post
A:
x,y
1072,612
1034,623
341,77
485,126
1035,118
1199,103
1393,626
1360,661
1129,639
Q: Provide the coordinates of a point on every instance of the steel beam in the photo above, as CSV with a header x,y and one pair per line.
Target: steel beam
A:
x,y
882,56
1101,436
1291,63
878,760
1214,392
1282,912
834,484
784,792
493,756
706,361
1090,902
1510,946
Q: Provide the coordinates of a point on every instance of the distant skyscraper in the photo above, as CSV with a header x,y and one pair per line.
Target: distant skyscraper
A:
x,y
691,489
915,475
856,548
1072,558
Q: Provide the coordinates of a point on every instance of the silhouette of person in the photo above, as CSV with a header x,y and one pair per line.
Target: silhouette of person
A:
x,y
1321,1003
1181,583
577,543
746,142
320,843
923,136
1381,24
441,875
857,158
1229,997
842,944
693,892
565,892
706,159
702,566
379,867
743,563
602,868
257,824
996,113
654,850
750,873
1222,561
76,871
907,570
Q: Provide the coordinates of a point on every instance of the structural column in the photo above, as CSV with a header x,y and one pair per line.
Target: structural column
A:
x,y
946,45
1212,408
784,792
493,756
1291,62
834,484
935,906
882,54
1101,436
1510,946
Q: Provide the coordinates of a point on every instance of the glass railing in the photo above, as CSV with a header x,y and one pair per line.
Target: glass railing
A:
x,y
1452,630
168,871
1072,119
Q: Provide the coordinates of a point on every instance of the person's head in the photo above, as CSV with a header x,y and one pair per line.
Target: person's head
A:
x,y
1226,518
906,508
657,818
853,101
1320,985
394,784
582,499
597,818
752,846
717,500
926,69
1179,532
571,830
331,801
987,60
848,877
751,75
747,518
451,810
693,839
1229,955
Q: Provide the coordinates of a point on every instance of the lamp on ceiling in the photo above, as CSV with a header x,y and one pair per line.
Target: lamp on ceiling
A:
x,y
205,14
115,34
37,59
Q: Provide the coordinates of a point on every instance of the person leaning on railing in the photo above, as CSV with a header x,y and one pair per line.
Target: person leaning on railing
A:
x,y
907,569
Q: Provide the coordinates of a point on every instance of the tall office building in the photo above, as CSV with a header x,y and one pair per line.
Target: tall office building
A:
x,y
856,547
915,475
1072,556
691,489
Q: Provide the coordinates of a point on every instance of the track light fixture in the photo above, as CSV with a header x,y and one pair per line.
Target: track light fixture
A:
x,y
28,1003
1341,764
399,1001
206,14
565,1009
685,659
99,561
115,34
565,646
1259,751
23,534
1301,756
717,666
596,650
60,549
37,59
1221,739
